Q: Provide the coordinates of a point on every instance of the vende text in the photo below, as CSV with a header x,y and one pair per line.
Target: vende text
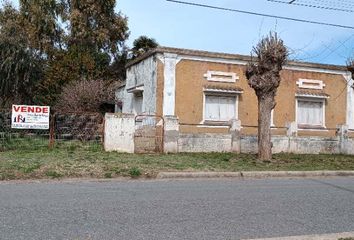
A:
x,y
30,109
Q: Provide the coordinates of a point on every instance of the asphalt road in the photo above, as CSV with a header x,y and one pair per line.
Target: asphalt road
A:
x,y
184,209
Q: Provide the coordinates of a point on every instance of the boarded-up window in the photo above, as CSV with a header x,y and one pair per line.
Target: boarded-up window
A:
x,y
310,113
138,104
220,108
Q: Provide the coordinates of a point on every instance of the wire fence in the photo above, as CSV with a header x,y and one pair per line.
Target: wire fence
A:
x,y
66,130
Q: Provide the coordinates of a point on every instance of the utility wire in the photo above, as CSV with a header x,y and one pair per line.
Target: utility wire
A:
x,y
325,3
313,6
332,3
260,14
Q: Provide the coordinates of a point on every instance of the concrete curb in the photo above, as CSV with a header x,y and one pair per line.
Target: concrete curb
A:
x,y
260,174
334,236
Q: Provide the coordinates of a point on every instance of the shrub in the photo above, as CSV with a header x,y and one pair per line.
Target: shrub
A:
x,y
86,96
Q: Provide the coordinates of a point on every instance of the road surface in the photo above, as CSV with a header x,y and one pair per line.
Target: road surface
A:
x,y
183,209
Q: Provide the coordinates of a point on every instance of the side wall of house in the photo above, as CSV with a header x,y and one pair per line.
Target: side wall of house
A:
x,y
144,75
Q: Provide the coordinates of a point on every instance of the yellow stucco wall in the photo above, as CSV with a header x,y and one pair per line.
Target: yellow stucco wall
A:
x,y
159,90
190,81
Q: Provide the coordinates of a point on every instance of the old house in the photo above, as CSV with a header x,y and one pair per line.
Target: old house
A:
x,y
208,95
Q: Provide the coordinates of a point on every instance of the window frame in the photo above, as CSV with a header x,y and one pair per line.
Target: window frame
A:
x,y
215,94
305,126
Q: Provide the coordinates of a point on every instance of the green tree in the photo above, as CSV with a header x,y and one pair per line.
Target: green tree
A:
x,y
143,44
263,76
41,20
20,65
93,24
46,44
96,38
68,66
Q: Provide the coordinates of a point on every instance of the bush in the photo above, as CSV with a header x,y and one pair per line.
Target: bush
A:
x,y
86,96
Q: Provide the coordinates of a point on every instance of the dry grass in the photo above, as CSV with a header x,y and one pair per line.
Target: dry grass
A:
x,y
77,160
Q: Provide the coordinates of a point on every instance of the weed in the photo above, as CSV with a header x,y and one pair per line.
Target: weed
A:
x,y
134,172
53,174
108,175
31,168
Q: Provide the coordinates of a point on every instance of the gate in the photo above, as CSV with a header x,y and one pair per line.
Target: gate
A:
x,y
149,134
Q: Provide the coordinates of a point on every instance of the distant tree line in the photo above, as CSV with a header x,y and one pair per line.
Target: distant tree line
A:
x,y
49,48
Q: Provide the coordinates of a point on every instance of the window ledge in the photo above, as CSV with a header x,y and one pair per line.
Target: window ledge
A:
x,y
216,123
311,127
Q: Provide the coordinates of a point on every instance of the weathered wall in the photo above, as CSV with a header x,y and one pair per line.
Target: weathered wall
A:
x,y
119,133
121,129
142,73
204,142
119,96
147,139
300,145
216,142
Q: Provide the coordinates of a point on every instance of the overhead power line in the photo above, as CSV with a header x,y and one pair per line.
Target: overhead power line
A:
x,y
261,14
312,5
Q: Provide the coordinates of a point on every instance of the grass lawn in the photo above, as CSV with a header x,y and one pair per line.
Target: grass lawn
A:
x,y
77,160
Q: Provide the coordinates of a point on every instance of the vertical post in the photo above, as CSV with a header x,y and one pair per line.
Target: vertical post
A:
x,y
291,129
342,133
51,130
171,134
103,130
235,131
292,134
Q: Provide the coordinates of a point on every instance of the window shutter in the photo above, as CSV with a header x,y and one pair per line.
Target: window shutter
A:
x,y
227,108
212,108
310,112
220,108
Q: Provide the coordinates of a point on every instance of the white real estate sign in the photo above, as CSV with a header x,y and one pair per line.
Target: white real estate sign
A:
x,y
30,117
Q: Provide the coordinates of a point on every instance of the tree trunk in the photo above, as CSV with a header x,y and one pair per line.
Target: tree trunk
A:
x,y
265,105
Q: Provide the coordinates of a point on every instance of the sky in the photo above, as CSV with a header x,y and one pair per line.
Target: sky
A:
x,y
180,26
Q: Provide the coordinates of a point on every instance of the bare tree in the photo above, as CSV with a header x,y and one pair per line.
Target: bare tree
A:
x,y
263,76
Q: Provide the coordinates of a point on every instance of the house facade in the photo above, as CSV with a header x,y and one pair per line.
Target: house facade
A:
x,y
209,95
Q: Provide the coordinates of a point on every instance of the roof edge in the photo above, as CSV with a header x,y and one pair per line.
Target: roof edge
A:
x,y
229,56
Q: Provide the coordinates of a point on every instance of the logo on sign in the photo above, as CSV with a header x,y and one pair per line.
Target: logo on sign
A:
x,y
19,119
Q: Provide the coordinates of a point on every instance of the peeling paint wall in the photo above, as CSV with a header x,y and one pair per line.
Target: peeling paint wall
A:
x,y
119,96
144,72
201,142
119,133
299,145
205,142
